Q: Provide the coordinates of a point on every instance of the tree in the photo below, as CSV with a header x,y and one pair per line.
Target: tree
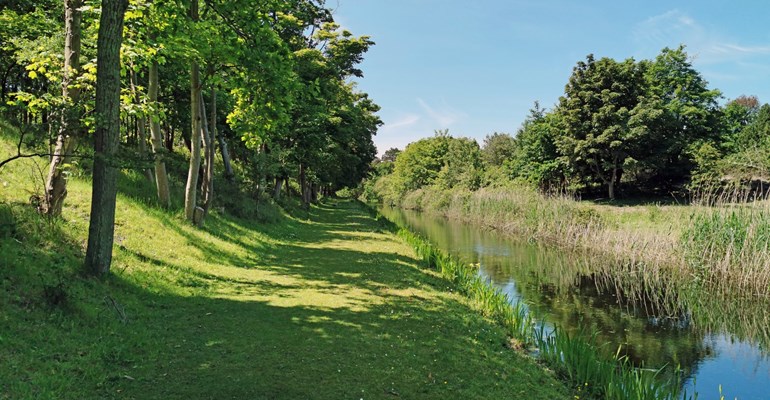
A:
x,y
463,166
30,41
190,193
390,154
156,138
102,222
536,158
756,133
737,114
420,163
442,160
598,103
56,182
349,149
689,113
498,148
331,125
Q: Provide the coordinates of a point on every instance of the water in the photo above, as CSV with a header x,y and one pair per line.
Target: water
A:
x,y
714,341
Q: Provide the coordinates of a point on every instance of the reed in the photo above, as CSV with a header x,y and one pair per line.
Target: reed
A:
x,y
719,242
726,247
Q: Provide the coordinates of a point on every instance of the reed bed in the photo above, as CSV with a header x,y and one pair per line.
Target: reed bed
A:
x,y
576,358
721,244
727,248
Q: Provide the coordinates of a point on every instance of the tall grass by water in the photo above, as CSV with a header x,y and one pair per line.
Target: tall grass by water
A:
x,y
722,246
727,247
578,359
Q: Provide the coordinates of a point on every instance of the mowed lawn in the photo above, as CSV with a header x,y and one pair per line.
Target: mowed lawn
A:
x,y
325,304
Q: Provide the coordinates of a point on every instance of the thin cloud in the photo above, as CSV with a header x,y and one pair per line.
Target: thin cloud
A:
x,y
674,27
736,49
671,25
401,123
445,117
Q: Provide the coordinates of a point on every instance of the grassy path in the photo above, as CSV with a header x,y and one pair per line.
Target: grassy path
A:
x,y
327,306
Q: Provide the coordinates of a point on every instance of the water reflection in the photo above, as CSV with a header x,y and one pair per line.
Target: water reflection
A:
x,y
714,341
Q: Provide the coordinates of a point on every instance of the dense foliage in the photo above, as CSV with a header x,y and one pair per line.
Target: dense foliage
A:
x,y
267,87
621,128
278,72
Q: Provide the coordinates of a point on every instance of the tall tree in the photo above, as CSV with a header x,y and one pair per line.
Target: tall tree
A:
x,y
391,154
737,114
596,111
101,228
757,133
420,163
191,195
536,158
498,148
140,121
688,112
463,165
207,184
156,138
56,182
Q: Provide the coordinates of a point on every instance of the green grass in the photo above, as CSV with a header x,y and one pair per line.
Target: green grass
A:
x,y
326,304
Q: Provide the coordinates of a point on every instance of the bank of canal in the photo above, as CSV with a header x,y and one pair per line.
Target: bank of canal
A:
x,y
714,341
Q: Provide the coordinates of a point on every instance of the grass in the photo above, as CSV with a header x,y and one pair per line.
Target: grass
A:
x,y
324,304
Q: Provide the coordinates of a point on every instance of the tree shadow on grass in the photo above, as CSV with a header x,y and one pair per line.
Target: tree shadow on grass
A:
x,y
403,347
640,201
304,255
166,330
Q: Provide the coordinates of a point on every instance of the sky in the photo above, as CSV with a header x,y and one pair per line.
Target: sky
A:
x,y
477,67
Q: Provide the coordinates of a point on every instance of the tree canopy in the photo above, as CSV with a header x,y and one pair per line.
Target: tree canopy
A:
x,y
621,128
268,85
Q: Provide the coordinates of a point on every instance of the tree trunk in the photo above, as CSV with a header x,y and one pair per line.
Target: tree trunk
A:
x,y
611,183
229,174
107,137
161,178
168,140
207,186
141,127
277,190
213,146
303,185
190,197
56,182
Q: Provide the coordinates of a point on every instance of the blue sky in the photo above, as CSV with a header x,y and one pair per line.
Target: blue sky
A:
x,y
476,67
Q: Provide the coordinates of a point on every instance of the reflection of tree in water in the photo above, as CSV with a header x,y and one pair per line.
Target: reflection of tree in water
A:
x,y
655,323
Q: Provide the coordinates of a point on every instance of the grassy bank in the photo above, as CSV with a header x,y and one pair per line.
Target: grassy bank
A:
x,y
322,304
722,248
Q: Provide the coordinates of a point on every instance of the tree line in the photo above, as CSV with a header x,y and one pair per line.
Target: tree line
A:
x,y
631,127
267,87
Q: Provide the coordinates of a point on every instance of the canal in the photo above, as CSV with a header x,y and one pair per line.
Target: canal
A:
x,y
714,341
